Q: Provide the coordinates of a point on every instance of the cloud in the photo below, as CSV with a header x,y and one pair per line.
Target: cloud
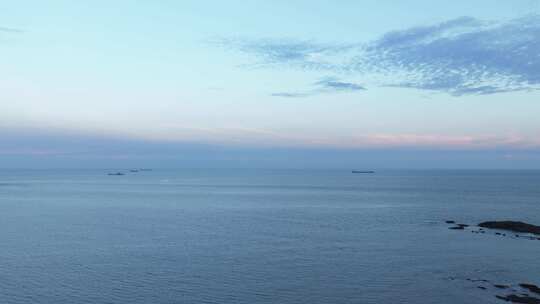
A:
x,y
186,146
299,53
10,30
290,95
426,33
324,86
336,85
71,143
440,140
463,56
45,148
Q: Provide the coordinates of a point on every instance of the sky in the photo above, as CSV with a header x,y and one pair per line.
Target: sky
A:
x,y
332,84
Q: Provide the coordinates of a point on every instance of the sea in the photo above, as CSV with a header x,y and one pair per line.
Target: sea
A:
x,y
263,236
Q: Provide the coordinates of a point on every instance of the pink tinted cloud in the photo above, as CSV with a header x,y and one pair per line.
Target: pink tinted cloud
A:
x,y
31,152
433,141
308,138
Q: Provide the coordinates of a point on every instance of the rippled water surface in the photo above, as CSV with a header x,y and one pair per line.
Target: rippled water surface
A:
x,y
260,236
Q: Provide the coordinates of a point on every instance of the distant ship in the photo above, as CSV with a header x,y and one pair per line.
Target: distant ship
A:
x,y
117,173
134,170
360,171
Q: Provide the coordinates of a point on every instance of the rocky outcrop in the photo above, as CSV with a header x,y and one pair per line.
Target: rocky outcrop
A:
x,y
512,226
519,299
530,287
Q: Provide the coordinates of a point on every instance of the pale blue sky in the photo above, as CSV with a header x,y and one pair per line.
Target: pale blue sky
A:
x,y
350,75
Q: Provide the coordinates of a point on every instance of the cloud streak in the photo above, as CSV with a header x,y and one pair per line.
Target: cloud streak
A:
x,y
290,95
337,85
463,56
46,149
10,30
51,143
299,53
324,86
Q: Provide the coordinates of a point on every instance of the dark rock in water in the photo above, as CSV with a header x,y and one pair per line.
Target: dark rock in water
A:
x,y
497,233
520,299
450,222
457,228
531,287
512,226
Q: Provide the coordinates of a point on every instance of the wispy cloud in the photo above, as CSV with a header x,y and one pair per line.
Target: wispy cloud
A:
x,y
184,138
331,83
324,86
57,149
290,95
441,140
31,152
463,56
300,53
10,30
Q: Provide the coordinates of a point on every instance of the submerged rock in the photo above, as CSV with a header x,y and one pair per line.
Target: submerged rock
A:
x,y
519,299
512,226
531,287
514,295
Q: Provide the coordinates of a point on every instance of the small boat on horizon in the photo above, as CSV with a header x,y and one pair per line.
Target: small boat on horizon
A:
x,y
363,171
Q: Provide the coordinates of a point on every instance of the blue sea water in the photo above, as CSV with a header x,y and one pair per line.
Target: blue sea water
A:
x,y
261,236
